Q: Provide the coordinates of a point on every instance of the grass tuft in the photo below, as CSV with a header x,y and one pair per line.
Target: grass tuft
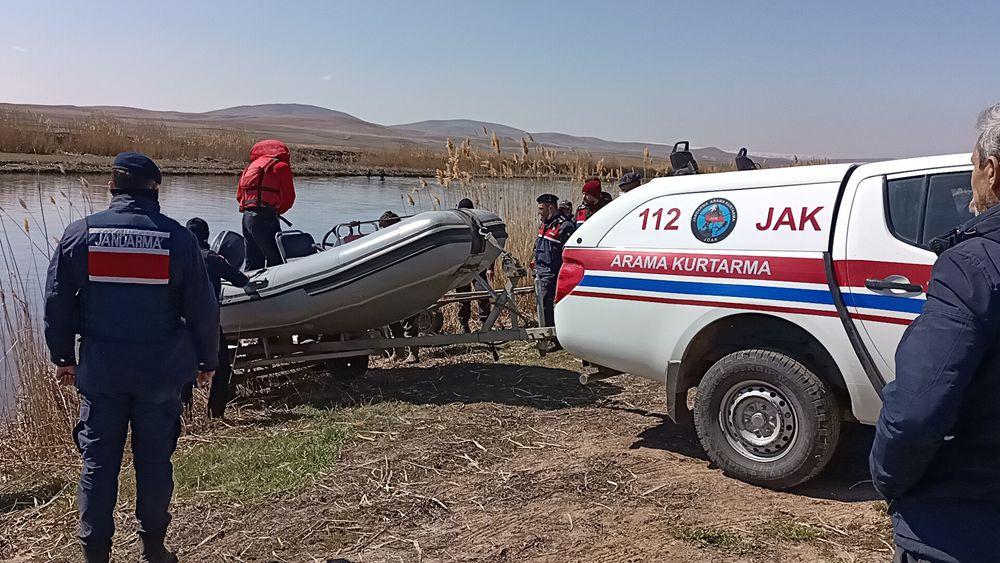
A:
x,y
257,464
726,540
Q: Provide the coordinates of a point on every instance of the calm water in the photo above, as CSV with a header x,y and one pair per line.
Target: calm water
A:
x,y
320,204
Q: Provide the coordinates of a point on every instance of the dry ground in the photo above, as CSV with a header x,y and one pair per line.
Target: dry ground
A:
x,y
466,459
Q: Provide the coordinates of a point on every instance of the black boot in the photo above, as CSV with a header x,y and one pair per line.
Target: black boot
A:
x,y
153,551
91,556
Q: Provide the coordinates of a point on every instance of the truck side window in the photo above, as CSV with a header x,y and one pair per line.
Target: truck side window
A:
x,y
948,197
921,208
906,207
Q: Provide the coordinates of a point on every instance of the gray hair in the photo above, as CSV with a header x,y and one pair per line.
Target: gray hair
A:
x,y
988,133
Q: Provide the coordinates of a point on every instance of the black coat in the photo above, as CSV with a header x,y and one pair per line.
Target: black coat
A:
x,y
936,455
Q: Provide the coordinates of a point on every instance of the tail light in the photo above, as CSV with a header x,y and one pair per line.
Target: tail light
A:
x,y
570,276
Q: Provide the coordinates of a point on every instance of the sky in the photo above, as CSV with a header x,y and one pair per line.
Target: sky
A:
x,y
845,79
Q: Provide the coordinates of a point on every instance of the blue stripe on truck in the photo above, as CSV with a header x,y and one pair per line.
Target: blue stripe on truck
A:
x,y
816,296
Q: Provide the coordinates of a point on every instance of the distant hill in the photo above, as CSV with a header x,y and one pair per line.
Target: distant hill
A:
x,y
461,128
314,125
279,110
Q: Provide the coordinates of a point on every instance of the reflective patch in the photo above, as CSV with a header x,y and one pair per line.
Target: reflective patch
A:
x,y
132,256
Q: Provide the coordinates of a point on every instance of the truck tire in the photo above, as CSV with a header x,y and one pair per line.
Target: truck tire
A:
x,y
764,418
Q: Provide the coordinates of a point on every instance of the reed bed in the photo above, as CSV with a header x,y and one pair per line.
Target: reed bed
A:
x,y
36,429
23,131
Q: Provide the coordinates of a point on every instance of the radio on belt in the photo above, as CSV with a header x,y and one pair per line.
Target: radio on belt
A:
x,y
780,294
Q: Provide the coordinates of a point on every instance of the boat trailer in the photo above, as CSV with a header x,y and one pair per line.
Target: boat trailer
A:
x,y
348,355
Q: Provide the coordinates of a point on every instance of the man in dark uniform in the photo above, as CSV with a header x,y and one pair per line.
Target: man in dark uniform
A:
x,y
218,269
465,307
553,233
132,283
409,326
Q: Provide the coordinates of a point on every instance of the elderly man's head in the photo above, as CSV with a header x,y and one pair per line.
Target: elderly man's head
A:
x,y
986,161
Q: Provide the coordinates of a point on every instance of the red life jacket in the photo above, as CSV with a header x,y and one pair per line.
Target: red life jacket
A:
x,y
581,215
267,181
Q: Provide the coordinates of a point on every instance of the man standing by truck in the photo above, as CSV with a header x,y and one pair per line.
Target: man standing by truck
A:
x,y
553,233
592,201
936,454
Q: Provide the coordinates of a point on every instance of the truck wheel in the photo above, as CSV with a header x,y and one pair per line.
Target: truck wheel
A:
x,y
766,419
347,368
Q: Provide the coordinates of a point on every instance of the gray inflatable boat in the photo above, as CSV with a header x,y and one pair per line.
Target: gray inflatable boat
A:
x,y
367,283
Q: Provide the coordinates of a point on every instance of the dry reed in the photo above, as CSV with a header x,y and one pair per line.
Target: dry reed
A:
x,y
23,131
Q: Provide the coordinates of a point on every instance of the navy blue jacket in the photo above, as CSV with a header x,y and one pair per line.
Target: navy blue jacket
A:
x,y
132,283
552,236
936,455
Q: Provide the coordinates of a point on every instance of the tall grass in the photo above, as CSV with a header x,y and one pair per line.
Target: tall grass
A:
x,y
23,131
38,427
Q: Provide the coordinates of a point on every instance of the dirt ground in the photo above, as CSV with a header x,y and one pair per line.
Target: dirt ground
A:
x,y
465,459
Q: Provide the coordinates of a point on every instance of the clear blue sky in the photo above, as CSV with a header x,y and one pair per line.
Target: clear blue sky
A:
x,y
843,79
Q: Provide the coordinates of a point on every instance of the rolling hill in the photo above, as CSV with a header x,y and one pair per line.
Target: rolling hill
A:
x,y
314,125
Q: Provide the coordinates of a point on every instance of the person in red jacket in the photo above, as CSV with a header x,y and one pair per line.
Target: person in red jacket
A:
x,y
592,201
265,192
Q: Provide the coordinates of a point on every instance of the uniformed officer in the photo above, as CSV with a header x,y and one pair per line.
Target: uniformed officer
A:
x,y
554,231
132,283
218,269
630,181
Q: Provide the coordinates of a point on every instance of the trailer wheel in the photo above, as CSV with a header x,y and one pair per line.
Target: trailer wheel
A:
x,y
347,368
430,321
764,418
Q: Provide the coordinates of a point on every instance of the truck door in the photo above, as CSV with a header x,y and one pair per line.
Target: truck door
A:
x,y
886,265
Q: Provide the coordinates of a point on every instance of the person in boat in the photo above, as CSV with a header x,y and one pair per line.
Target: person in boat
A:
x,y
591,201
630,181
218,269
407,327
553,233
465,307
266,191
131,282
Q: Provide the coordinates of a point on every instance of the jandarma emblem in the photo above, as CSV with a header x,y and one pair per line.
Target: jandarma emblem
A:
x,y
713,220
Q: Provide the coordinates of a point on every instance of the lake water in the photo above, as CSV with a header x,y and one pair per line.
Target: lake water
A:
x,y
48,203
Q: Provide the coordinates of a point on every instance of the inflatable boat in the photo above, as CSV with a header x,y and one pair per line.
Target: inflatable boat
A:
x,y
366,283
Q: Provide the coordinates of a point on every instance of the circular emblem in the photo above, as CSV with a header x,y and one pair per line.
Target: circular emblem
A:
x,y
713,220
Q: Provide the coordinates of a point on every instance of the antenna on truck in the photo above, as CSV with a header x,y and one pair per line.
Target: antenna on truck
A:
x,y
682,161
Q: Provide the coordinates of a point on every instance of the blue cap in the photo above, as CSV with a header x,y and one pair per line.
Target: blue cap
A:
x,y
547,198
630,178
138,164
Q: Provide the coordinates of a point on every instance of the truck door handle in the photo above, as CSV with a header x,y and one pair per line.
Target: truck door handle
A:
x,y
890,284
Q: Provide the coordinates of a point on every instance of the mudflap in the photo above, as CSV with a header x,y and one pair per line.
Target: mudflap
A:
x,y
676,395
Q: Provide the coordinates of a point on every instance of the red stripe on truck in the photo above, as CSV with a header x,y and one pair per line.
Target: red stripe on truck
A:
x,y
853,273
731,266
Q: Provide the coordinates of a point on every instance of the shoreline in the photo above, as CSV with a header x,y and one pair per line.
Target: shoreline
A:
x,y
21,163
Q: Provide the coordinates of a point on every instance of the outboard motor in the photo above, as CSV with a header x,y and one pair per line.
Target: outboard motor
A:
x,y
744,162
231,246
682,161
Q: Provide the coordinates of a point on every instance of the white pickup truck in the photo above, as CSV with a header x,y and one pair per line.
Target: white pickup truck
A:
x,y
779,294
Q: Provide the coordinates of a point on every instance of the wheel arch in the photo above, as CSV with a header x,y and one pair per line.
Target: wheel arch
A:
x,y
722,336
